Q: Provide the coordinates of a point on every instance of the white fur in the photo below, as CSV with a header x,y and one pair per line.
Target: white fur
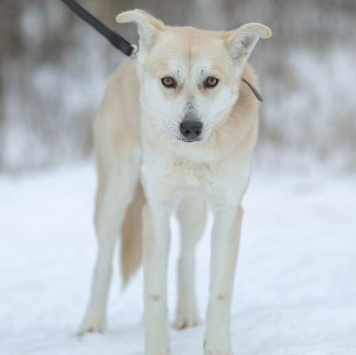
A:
x,y
176,176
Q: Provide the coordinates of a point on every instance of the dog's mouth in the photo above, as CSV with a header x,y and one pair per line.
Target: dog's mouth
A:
x,y
201,138
185,140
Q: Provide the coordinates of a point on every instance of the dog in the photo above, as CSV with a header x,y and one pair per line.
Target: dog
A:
x,y
175,132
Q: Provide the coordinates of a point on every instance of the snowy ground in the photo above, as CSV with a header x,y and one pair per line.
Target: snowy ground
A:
x,y
295,285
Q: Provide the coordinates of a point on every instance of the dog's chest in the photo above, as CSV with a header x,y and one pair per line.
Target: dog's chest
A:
x,y
169,178
223,182
191,174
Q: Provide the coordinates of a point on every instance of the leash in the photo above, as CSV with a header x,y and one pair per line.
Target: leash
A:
x,y
119,42
114,38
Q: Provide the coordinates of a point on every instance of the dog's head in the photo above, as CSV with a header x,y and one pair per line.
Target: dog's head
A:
x,y
189,76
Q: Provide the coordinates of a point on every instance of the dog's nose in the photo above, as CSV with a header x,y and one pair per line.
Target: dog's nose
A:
x,y
191,129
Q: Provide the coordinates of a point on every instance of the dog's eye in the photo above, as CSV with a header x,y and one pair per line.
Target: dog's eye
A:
x,y
168,82
211,82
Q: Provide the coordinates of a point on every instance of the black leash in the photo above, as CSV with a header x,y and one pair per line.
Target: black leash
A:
x,y
119,42
114,38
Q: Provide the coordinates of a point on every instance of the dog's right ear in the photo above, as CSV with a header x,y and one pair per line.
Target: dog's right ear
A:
x,y
148,26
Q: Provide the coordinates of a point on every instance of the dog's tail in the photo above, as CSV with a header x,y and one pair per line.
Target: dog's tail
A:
x,y
131,243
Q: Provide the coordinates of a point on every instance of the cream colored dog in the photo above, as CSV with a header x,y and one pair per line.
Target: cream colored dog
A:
x,y
181,122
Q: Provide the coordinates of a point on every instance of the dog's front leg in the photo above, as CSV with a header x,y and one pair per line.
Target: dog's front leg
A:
x,y
225,242
156,241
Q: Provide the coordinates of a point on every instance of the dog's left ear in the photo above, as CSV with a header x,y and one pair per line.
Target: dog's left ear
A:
x,y
148,26
241,42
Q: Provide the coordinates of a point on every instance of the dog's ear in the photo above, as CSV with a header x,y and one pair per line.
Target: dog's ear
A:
x,y
241,42
148,26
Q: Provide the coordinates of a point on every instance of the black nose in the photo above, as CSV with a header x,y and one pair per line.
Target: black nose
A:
x,y
191,129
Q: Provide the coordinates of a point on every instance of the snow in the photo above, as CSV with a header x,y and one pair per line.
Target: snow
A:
x,y
295,291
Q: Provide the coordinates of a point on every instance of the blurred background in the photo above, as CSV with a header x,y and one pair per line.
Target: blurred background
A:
x,y
54,68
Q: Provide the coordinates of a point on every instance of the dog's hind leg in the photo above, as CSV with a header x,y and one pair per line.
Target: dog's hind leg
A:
x,y
192,216
117,182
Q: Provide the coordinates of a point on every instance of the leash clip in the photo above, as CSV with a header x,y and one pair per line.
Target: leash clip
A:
x,y
134,51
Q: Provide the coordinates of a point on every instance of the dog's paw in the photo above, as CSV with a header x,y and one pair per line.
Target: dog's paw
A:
x,y
187,319
208,352
217,352
92,324
216,349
